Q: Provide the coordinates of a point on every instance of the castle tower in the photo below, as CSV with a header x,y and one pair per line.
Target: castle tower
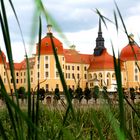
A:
x,y
99,42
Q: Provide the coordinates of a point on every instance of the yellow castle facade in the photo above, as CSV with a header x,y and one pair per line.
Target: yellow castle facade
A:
x,y
78,69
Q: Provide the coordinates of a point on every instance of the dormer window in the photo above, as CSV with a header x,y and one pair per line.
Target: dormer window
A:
x,y
47,44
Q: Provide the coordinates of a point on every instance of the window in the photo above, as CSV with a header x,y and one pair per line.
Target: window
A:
x,y
85,68
94,75
4,73
17,81
57,85
85,76
24,73
46,65
38,74
17,73
21,80
57,74
72,67
78,68
136,70
78,76
24,80
73,76
108,74
63,58
68,67
113,75
101,82
38,66
100,75
107,82
47,87
136,77
46,74
69,75
4,80
11,80
21,73
46,57
90,76
47,44
31,72
31,79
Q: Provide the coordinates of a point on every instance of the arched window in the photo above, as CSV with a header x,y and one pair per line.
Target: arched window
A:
x,y
108,75
90,76
113,75
100,75
94,75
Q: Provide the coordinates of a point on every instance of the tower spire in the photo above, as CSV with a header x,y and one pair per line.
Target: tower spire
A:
x,y
99,41
100,29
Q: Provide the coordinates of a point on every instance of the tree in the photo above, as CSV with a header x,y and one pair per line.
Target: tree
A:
x,y
79,93
95,93
71,93
41,94
87,94
21,93
132,94
56,94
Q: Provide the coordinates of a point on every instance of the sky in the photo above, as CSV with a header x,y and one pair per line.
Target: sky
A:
x,y
77,20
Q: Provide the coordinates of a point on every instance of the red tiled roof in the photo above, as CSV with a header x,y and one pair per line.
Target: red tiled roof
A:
x,y
128,53
72,56
104,61
22,64
46,46
2,56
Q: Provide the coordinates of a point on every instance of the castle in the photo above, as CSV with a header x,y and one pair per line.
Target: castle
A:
x,y
78,69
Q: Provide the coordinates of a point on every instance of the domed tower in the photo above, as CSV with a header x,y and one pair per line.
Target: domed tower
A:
x,y
46,67
130,54
46,44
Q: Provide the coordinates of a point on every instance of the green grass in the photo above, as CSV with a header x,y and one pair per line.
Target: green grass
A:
x,y
39,122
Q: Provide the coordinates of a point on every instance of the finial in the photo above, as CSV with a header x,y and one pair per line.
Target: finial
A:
x,y
131,38
49,26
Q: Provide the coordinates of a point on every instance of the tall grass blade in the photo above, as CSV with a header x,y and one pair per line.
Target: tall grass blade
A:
x,y
2,131
97,125
122,20
62,76
8,80
29,97
6,36
117,68
10,111
18,110
116,21
101,16
114,122
50,19
38,86
42,9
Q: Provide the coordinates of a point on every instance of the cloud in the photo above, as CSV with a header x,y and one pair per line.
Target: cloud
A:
x,y
77,20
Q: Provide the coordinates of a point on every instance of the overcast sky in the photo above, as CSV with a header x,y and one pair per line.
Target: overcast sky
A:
x,y
78,22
